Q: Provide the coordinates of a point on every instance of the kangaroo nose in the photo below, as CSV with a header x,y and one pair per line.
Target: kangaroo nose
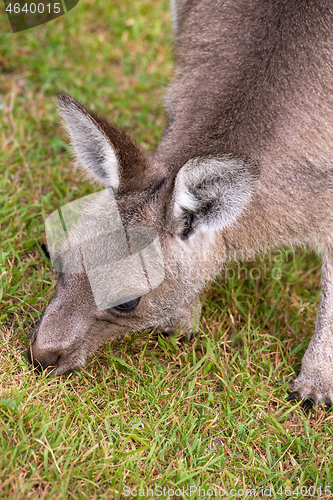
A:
x,y
43,359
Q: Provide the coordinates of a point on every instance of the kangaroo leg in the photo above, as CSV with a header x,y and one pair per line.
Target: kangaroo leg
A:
x,y
315,381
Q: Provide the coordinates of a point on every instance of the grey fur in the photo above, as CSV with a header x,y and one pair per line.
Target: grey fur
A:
x,y
90,143
253,80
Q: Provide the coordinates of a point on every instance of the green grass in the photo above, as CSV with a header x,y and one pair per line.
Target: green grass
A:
x,y
140,414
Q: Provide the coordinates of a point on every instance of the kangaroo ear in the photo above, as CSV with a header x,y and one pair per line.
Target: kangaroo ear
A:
x,y
211,192
107,153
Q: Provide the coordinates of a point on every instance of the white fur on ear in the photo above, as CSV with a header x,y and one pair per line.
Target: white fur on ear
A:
x,y
92,147
214,190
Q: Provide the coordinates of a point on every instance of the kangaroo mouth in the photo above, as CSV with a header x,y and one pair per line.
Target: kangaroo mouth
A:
x,y
161,332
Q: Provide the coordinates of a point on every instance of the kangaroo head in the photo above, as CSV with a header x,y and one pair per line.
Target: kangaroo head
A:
x,y
188,207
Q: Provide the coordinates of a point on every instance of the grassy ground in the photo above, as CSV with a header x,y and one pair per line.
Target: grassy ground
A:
x,y
141,414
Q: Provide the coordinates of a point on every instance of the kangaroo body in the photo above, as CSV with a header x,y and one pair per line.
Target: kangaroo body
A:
x,y
245,165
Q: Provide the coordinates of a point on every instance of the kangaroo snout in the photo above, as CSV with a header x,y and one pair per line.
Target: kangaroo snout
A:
x,y
43,359
51,356
56,343
54,358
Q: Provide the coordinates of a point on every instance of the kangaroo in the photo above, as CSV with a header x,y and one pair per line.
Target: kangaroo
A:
x,y
244,166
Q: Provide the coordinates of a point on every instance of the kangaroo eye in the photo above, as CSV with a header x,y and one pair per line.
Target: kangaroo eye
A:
x,y
128,306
